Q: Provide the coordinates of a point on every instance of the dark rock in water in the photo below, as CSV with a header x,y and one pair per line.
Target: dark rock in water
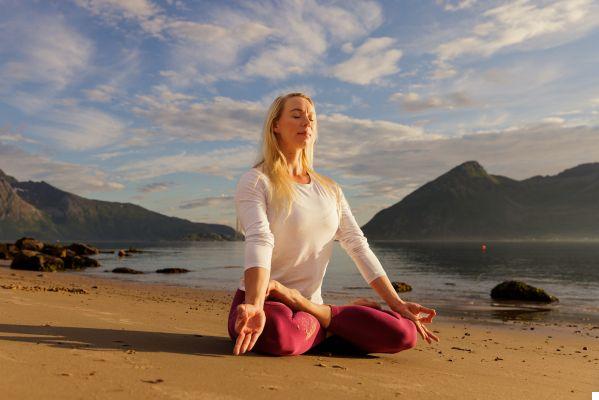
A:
x,y
34,261
172,270
80,262
125,270
27,243
516,290
82,249
53,250
5,253
401,287
123,253
134,250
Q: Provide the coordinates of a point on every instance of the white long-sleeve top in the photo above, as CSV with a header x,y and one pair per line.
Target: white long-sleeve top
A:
x,y
297,250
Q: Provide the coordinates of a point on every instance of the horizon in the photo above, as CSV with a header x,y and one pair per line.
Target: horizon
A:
x,y
160,104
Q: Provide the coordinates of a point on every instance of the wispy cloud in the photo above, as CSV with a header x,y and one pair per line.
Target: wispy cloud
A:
x,y
373,60
518,25
413,102
215,201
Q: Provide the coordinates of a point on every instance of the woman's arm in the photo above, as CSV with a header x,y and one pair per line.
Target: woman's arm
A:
x,y
256,283
383,287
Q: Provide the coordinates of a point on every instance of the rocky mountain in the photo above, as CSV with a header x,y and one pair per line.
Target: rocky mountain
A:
x,y
467,203
40,210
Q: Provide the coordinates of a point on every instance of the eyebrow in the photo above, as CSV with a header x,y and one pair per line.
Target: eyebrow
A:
x,y
299,109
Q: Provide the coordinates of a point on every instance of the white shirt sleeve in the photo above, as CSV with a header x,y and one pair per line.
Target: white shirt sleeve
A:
x,y
250,204
354,242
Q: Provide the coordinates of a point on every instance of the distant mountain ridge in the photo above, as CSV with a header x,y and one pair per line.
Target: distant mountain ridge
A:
x,y
467,203
40,210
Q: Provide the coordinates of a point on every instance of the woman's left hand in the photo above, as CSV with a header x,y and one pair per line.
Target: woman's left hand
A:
x,y
412,311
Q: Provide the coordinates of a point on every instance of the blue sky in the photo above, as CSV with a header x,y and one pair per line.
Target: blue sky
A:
x,y
161,103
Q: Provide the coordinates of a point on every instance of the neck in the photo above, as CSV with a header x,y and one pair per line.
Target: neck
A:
x,y
294,164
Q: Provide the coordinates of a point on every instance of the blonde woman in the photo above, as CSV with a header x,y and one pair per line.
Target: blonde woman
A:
x,y
291,215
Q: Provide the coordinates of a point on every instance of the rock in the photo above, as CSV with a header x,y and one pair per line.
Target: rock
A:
x,y
82,249
125,270
134,250
516,290
5,253
80,262
27,243
34,261
401,287
172,271
53,250
123,253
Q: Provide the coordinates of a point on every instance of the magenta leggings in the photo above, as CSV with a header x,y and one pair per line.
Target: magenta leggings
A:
x,y
366,329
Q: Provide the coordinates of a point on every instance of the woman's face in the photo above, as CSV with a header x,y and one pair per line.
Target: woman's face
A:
x,y
294,129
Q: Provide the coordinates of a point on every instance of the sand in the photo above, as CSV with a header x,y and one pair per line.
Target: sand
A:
x,y
109,339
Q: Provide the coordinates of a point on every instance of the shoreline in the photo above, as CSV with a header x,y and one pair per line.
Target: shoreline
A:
x,y
107,338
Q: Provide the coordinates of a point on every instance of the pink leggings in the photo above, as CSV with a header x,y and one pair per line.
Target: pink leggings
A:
x,y
365,329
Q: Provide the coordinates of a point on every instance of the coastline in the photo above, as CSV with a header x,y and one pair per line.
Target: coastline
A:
x,y
123,339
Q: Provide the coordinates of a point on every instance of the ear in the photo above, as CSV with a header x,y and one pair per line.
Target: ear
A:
x,y
275,127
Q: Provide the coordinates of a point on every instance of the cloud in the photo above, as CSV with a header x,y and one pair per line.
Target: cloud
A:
x,y
413,102
449,5
373,60
225,162
74,178
101,93
519,25
155,187
268,39
78,128
43,50
218,119
216,201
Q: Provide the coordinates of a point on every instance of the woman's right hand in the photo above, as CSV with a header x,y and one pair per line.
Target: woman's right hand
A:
x,y
248,325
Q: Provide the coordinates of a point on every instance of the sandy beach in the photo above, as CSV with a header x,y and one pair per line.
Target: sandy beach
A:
x,y
68,336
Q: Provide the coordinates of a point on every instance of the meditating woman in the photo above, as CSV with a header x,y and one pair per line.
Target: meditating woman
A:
x,y
291,215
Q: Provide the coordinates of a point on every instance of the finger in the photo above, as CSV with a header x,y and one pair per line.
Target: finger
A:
x,y
246,342
255,337
421,331
430,334
238,343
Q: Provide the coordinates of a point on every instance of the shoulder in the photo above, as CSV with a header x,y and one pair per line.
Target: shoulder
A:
x,y
254,179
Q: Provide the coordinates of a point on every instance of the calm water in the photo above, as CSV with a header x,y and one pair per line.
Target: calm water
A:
x,y
454,278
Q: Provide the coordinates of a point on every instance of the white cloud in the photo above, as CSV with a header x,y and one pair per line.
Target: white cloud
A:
x,y
147,14
77,128
519,25
449,5
225,162
156,187
43,50
413,102
373,60
101,93
74,178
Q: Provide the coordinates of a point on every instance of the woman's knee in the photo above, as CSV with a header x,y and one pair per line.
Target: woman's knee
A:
x,y
278,339
406,336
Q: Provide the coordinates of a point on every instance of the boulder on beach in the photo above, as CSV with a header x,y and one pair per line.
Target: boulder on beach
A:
x,y
172,271
28,243
401,287
79,262
54,250
126,270
517,290
34,261
82,249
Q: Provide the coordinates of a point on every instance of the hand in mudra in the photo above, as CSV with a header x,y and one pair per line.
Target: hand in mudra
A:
x,y
248,325
412,311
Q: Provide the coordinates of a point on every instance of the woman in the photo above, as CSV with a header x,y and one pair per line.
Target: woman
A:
x,y
291,216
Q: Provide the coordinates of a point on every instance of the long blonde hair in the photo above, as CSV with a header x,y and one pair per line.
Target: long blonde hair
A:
x,y
273,163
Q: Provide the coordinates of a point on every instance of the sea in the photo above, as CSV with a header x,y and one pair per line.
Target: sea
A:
x,y
454,278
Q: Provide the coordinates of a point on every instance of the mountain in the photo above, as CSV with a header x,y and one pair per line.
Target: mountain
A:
x,y
467,203
40,210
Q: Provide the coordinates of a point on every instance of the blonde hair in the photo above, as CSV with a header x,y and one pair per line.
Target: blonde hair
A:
x,y
273,163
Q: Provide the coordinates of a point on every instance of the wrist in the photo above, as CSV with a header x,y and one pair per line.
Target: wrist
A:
x,y
396,303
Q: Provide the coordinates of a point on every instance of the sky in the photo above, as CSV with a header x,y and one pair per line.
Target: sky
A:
x,y
161,103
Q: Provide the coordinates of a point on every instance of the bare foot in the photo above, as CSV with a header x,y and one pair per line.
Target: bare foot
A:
x,y
290,297
362,301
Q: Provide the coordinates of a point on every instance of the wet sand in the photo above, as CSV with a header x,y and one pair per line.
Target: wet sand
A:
x,y
69,336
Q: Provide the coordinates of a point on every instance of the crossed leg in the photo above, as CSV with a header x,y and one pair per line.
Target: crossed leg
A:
x,y
290,330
